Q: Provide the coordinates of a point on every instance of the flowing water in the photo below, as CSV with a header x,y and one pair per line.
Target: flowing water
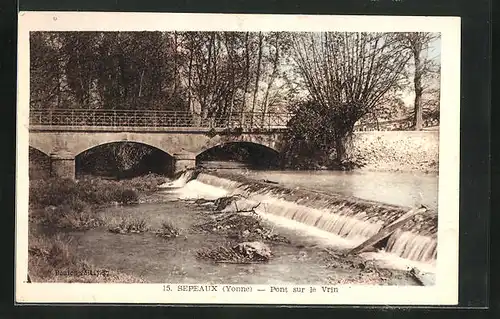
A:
x,y
405,189
315,209
173,261
350,218
401,188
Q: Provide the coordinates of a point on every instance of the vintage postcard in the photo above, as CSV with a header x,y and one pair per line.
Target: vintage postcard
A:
x,y
237,159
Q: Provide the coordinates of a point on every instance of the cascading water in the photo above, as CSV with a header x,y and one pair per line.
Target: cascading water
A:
x,y
179,182
350,218
193,189
412,246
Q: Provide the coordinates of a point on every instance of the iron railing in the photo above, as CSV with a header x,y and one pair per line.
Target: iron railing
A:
x,y
155,119
403,124
183,119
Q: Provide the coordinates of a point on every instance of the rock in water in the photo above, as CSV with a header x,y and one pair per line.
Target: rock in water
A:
x,y
254,250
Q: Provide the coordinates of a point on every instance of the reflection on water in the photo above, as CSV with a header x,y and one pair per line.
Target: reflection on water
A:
x,y
405,189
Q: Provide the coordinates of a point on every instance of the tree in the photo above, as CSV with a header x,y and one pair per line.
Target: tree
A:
x,y
417,43
257,75
232,72
347,75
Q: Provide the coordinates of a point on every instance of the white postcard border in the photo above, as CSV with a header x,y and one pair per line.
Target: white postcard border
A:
x,y
445,292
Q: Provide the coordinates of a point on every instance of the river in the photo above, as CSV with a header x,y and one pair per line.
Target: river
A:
x,y
301,261
405,189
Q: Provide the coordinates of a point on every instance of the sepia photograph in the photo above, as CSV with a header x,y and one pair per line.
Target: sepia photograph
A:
x,y
239,161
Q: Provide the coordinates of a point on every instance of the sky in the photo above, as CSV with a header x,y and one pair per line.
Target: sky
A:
x,y
435,49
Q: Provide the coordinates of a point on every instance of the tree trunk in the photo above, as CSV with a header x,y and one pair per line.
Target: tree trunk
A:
x,y
189,90
247,78
230,50
417,116
271,82
140,83
340,149
175,64
257,78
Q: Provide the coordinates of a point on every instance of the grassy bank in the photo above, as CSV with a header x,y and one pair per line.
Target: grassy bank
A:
x,y
61,205
51,259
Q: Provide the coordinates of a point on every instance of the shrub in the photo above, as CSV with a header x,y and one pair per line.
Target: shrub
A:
x,y
59,253
99,192
127,196
127,224
167,231
146,183
71,204
77,215
81,220
55,192
49,253
52,192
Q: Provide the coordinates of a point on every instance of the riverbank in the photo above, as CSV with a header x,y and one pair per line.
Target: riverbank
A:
x,y
159,240
396,151
57,207
375,151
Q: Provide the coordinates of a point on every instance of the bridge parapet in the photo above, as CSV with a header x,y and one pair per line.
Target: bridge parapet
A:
x,y
153,119
154,129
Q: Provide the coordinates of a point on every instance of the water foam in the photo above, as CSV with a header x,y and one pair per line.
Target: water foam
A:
x,y
323,219
196,190
187,188
412,246
322,237
333,223
179,182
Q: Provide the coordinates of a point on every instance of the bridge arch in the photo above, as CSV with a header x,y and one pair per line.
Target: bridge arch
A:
x,y
35,149
40,145
254,154
39,163
84,146
136,161
82,149
267,141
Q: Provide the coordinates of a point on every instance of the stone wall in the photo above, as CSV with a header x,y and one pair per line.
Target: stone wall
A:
x,y
396,150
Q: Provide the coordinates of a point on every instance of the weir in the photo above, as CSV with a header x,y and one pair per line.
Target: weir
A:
x,y
348,217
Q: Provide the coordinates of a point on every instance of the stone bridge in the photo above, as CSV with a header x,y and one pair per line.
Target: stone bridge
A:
x,y
63,144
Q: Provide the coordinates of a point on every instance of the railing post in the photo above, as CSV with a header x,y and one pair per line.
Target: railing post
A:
x,y
113,120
